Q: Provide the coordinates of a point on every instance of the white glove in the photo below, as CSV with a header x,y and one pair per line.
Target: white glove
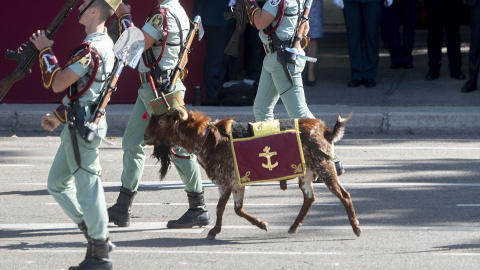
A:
x,y
388,3
339,3
231,3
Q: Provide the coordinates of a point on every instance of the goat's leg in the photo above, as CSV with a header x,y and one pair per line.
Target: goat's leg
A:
x,y
238,195
305,184
222,202
338,190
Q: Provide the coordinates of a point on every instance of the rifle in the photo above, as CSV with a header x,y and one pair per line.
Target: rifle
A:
x,y
183,59
128,50
240,14
114,30
28,54
297,37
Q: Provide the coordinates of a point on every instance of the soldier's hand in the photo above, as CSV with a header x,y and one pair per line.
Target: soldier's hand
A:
x,y
40,40
50,122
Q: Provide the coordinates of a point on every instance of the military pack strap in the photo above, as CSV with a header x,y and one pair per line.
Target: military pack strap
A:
x,y
278,18
90,54
49,66
164,22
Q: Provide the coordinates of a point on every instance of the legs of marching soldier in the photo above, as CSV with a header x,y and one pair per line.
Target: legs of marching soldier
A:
x,y
133,164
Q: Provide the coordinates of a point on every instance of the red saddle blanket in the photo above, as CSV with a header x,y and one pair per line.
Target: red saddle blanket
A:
x,y
267,151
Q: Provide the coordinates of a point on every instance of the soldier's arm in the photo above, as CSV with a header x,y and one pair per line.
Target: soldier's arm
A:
x,y
121,11
257,16
54,77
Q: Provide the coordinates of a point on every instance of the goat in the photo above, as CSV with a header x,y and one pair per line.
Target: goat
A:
x,y
189,131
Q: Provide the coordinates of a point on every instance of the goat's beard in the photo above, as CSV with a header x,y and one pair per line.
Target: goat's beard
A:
x,y
161,152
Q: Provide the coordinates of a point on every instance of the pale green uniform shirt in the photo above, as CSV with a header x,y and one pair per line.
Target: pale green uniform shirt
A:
x,y
287,27
154,27
84,67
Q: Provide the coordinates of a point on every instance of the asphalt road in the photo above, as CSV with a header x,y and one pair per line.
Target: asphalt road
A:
x,y
416,197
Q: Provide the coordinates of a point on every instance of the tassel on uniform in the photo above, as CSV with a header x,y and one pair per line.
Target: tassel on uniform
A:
x,y
145,116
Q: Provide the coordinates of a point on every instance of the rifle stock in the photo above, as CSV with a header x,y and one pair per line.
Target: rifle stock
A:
x,y
29,53
182,62
240,15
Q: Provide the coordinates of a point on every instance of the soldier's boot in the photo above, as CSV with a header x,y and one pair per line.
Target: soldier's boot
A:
x,y
83,228
99,259
119,213
338,166
196,215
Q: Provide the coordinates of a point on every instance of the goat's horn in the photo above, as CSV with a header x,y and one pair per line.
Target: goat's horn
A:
x,y
183,113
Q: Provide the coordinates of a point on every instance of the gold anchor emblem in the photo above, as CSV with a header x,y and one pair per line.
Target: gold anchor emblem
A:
x,y
268,154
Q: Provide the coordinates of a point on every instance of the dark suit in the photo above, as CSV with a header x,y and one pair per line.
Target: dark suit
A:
x,y
216,38
474,52
362,20
400,45
444,15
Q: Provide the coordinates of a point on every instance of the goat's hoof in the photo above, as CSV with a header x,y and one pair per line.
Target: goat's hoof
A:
x,y
358,232
265,226
292,230
210,237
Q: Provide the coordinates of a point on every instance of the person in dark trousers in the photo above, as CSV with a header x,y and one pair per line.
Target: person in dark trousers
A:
x,y
216,38
400,43
444,16
362,20
474,52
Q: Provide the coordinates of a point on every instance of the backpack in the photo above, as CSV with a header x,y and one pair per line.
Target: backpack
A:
x,y
238,93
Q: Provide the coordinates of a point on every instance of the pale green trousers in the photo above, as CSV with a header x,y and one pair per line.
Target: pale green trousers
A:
x,y
79,191
134,147
274,85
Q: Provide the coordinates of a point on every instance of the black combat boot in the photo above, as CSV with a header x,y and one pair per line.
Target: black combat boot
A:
x,y
99,258
338,166
196,215
119,213
83,227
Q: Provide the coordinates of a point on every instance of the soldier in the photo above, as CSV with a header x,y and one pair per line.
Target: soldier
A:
x,y
277,22
77,160
165,33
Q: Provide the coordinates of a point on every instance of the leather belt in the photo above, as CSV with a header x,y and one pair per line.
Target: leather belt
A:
x,y
143,77
268,48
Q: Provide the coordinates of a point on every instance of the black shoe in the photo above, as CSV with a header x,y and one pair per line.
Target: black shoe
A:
x,y
395,66
432,75
119,213
457,75
338,166
310,83
196,215
355,83
408,65
99,258
370,83
469,86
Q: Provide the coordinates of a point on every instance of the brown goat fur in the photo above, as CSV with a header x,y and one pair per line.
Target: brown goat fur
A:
x,y
187,130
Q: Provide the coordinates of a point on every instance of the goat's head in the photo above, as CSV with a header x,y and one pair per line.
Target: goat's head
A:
x,y
161,133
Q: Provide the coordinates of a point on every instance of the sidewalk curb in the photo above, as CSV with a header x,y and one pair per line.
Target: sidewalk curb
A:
x,y
24,119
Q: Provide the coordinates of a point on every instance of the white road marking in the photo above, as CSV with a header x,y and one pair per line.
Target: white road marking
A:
x,y
468,205
293,183
228,204
16,165
405,148
161,227
120,250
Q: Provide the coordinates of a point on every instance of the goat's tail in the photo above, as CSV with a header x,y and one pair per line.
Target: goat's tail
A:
x,y
339,129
